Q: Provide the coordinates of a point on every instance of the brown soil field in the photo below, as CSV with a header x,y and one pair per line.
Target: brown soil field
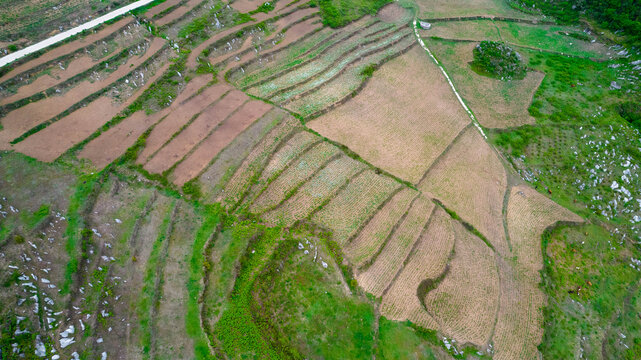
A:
x,y
396,250
314,192
299,171
529,213
51,142
195,132
354,205
519,326
24,118
180,115
57,76
245,6
253,164
197,161
160,8
177,13
427,261
470,179
466,301
68,48
373,235
380,122
114,142
496,103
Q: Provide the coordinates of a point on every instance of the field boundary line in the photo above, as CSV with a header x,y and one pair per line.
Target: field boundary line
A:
x,y
491,18
71,32
412,250
260,164
378,208
185,126
277,174
359,57
356,91
64,57
398,223
191,151
294,190
90,98
352,51
334,194
347,35
447,77
74,80
443,153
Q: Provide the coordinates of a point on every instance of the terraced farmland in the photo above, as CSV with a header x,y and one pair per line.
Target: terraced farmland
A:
x,y
203,179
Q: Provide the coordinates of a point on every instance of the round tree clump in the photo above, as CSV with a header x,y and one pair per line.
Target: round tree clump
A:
x,y
497,60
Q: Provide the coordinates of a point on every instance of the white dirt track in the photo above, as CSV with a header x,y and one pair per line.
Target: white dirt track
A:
x,y
71,32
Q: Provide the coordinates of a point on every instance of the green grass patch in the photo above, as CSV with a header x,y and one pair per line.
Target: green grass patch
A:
x,y
337,13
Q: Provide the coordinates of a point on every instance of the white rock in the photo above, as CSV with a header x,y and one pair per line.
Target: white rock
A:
x,y
64,342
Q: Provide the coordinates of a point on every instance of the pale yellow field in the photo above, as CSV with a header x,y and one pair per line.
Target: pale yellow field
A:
x,y
466,301
471,180
427,262
354,205
374,234
403,119
387,264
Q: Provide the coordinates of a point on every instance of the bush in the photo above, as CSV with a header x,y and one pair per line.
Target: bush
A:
x,y
496,59
631,112
12,47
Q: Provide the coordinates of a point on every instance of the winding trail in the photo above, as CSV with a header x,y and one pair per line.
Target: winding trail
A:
x,y
447,77
71,32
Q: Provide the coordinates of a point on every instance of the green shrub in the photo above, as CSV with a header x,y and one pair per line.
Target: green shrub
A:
x,y
496,59
337,13
631,112
192,188
12,47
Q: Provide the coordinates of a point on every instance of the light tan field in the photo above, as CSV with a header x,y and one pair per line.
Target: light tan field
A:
x,y
301,170
496,103
354,205
389,262
222,136
466,301
470,179
428,261
519,326
256,161
529,213
373,235
324,185
452,8
292,149
394,125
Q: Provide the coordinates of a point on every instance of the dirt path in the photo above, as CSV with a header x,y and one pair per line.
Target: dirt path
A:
x,y
447,77
71,32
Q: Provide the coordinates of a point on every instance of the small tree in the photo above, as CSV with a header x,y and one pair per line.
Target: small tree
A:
x,y
496,59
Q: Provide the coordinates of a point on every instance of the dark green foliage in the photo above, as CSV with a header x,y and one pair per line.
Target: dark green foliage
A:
x,y
580,36
264,8
337,13
12,48
368,71
517,140
615,15
496,59
192,188
631,112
